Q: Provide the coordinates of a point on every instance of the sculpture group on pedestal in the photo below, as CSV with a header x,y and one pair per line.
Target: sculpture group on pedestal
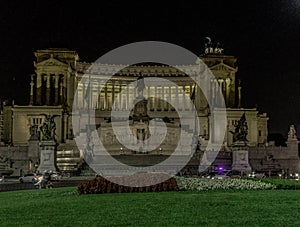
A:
x,y
140,117
209,49
241,130
240,158
48,127
47,144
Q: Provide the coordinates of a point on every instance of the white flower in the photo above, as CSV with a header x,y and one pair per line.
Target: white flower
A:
x,y
215,184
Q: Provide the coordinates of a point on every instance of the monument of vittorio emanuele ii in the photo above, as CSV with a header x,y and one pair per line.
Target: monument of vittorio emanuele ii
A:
x,y
57,87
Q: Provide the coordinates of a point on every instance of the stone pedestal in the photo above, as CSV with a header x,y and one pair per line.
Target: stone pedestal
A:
x,y
34,149
240,157
33,154
47,157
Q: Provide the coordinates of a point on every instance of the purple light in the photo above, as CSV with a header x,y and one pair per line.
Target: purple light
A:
x,y
220,169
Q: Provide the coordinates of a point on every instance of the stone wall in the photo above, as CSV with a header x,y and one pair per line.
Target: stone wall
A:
x,y
284,159
280,159
274,159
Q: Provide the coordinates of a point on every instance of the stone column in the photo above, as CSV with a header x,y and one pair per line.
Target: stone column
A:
x,y
56,89
134,93
222,86
191,92
113,106
183,97
127,95
65,127
65,88
75,89
177,97
48,89
227,90
148,99
31,90
91,91
155,98
99,95
85,96
69,89
191,89
170,99
105,97
83,87
221,90
217,91
162,106
213,91
38,89
61,93
120,96
239,96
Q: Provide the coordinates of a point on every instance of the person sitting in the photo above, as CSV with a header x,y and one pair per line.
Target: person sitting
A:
x,y
40,182
47,179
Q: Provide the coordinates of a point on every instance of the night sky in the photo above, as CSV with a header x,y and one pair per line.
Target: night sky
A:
x,y
263,35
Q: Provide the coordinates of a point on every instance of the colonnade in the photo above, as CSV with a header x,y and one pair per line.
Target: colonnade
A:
x,y
218,87
120,95
50,88
59,88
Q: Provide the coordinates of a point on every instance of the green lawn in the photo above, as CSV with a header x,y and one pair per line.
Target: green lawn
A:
x,y
280,183
64,207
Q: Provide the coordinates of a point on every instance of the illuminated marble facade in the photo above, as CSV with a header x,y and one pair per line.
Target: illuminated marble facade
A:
x,y
58,71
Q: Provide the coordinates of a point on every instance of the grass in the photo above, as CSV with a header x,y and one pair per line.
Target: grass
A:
x,y
280,183
64,207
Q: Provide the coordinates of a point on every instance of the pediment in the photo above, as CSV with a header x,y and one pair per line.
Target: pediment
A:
x,y
51,62
223,67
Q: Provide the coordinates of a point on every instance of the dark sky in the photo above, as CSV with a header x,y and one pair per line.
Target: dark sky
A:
x,y
263,35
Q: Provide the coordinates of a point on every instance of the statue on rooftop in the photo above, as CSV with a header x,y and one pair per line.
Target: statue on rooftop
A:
x,y
218,49
211,49
292,133
208,46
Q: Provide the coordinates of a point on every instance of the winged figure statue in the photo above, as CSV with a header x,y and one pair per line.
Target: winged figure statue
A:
x,y
48,127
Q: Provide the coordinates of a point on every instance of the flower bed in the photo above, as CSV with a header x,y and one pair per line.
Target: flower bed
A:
x,y
137,182
202,184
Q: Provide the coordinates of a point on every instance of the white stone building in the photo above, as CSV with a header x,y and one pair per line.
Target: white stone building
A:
x,y
57,72
57,76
